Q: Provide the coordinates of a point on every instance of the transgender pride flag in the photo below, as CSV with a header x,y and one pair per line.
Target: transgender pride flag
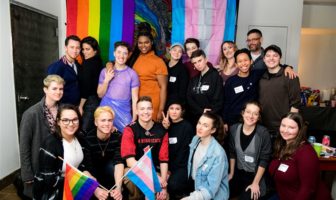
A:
x,y
210,21
144,176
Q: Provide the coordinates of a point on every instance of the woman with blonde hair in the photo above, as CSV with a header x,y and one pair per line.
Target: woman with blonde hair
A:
x,y
226,61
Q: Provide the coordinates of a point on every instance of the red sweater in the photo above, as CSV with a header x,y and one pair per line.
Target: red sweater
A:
x,y
191,69
299,177
134,140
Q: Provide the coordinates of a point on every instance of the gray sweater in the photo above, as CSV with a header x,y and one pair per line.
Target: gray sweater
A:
x,y
257,153
34,129
262,145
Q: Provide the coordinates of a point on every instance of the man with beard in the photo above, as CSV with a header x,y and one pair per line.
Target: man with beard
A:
x,y
254,39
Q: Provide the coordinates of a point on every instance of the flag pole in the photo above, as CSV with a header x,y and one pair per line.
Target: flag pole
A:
x,y
59,157
115,185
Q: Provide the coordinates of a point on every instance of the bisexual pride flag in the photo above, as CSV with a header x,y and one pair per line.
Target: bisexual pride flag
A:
x,y
144,176
210,21
77,186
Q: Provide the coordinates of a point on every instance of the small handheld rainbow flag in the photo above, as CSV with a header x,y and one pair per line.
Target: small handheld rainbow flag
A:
x,y
77,185
144,176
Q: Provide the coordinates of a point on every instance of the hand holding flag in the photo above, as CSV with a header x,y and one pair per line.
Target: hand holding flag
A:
x,y
144,176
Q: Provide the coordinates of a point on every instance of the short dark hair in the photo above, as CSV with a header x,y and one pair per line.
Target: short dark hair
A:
x,y
240,51
92,42
257,31
197,53
192,40
122,44
274,48
144,98
71,37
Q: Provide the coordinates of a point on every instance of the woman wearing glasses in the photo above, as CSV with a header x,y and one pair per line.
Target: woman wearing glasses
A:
x,y
67,144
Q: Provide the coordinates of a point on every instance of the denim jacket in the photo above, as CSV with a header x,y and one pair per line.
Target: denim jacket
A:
x,y
212,173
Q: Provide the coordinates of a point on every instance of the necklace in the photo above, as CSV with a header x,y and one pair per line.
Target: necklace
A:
x,y
106,145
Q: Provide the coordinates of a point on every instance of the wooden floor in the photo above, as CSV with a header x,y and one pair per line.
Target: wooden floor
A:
x,y
9,193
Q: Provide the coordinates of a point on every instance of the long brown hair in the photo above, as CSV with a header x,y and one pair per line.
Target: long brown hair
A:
x,y
218,124
222,60
284,151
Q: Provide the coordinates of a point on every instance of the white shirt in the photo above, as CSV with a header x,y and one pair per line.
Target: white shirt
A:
x,y
73,153
198,156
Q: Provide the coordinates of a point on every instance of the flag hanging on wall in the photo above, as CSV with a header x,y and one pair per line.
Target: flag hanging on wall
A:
x,y
77,186
206,20
108,21
211,21
144,176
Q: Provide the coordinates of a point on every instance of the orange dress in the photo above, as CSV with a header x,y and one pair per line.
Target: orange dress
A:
x,y
148,66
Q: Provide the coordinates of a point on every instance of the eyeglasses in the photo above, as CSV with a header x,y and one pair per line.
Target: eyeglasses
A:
x,y
66,121
253,40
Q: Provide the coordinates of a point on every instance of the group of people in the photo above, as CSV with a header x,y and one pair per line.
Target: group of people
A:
x,y
101,119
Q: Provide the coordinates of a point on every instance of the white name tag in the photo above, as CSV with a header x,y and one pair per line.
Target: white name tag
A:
x,y
239,89
283,167
205,87
172,79
249,159
173,140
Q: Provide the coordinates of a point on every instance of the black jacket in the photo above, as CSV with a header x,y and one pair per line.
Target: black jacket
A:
x,y
205,92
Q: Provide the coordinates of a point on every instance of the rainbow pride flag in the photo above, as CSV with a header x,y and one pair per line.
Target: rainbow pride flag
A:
x,y
77,186
210,21
106,20
144,176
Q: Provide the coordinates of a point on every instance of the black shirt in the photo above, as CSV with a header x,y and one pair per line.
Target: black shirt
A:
x,y
177,82
245,140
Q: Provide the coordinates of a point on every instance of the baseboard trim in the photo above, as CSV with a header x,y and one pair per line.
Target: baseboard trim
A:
x,y
8,179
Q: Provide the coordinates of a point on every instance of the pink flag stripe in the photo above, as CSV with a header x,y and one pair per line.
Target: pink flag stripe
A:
x,y
217,32
191,18
144,173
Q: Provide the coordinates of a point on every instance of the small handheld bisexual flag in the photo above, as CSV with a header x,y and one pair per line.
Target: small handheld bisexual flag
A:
x,y
144,176
77,186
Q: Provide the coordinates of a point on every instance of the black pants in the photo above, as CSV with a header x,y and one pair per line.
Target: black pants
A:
x,y
178,183
90,106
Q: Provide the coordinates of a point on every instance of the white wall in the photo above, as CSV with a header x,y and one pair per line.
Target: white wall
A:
x,y
9,147
318,46
272,13
9,151
319,16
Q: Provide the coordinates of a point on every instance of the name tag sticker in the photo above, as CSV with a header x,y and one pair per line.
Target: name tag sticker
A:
x,y
283,167
239,89
172,79
249,159
205,87
173,140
